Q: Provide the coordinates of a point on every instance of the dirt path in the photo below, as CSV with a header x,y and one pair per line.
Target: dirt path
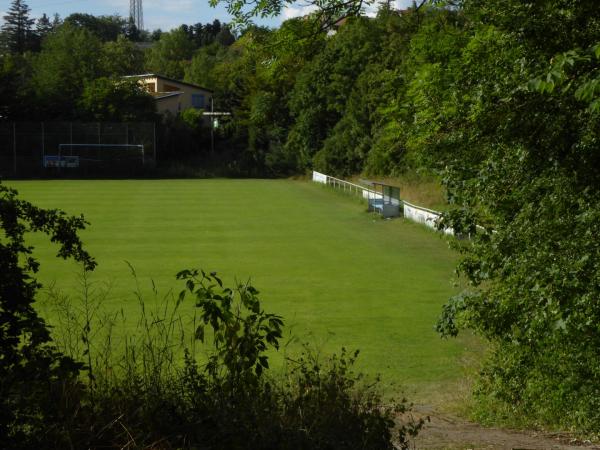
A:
x,y
448,432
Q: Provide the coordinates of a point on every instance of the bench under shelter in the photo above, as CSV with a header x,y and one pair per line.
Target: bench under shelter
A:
x,y
384,198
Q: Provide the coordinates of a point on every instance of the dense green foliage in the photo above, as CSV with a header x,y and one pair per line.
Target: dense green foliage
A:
x,y
533,180
105,28
68,60
170,54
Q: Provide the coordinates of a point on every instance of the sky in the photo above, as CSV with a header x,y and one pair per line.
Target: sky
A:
x,y
163,14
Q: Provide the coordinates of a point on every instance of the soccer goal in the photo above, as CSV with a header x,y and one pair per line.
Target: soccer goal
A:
x,y
105,156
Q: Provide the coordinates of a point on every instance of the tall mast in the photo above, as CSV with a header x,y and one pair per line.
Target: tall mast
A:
x,y
137,13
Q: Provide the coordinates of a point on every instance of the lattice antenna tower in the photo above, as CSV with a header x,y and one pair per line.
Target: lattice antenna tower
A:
x,y
136,12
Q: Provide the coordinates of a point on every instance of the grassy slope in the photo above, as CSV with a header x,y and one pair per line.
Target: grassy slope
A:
x,y
339,276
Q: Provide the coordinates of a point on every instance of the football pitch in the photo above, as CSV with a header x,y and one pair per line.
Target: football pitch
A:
x,y
338,275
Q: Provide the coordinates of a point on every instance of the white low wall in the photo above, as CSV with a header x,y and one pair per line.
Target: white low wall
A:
x,y
319,177
425,216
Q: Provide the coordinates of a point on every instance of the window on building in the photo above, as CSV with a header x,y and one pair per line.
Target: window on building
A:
x,y
198,100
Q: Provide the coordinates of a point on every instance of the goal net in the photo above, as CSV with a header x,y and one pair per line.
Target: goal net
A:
x,y
97,156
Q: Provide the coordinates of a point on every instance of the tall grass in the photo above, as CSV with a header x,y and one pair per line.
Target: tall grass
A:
x,y
156,387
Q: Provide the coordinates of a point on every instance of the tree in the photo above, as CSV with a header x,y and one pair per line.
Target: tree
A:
x,y
170,55
519,159
203,35
17,27
225,37
56,21
15,71
105,99
121,57
35,379
156,34
131,30
43,26
320,94
9,85
68,59
200,70
210,32
106,28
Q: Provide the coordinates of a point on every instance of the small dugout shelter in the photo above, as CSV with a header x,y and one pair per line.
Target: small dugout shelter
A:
x,y
386,200
172,95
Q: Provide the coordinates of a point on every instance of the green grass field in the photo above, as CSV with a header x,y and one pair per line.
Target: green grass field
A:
x,y
338,275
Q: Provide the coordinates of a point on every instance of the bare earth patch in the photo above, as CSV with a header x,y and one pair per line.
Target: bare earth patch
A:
x,y
445,431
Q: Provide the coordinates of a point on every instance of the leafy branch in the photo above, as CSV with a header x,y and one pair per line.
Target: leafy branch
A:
x,y
577,70
241,331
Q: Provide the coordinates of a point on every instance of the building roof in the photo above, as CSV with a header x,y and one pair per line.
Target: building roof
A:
x,y
172,80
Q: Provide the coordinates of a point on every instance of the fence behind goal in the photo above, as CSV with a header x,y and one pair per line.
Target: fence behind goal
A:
x,y
39,149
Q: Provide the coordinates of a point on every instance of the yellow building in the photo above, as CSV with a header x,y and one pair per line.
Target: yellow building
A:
x,y
175,96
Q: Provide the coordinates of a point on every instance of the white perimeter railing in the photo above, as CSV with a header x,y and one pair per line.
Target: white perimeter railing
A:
x,y
346,185
419,214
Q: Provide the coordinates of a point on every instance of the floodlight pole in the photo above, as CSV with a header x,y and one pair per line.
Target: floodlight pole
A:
x,y
15,148
43,143
212,114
